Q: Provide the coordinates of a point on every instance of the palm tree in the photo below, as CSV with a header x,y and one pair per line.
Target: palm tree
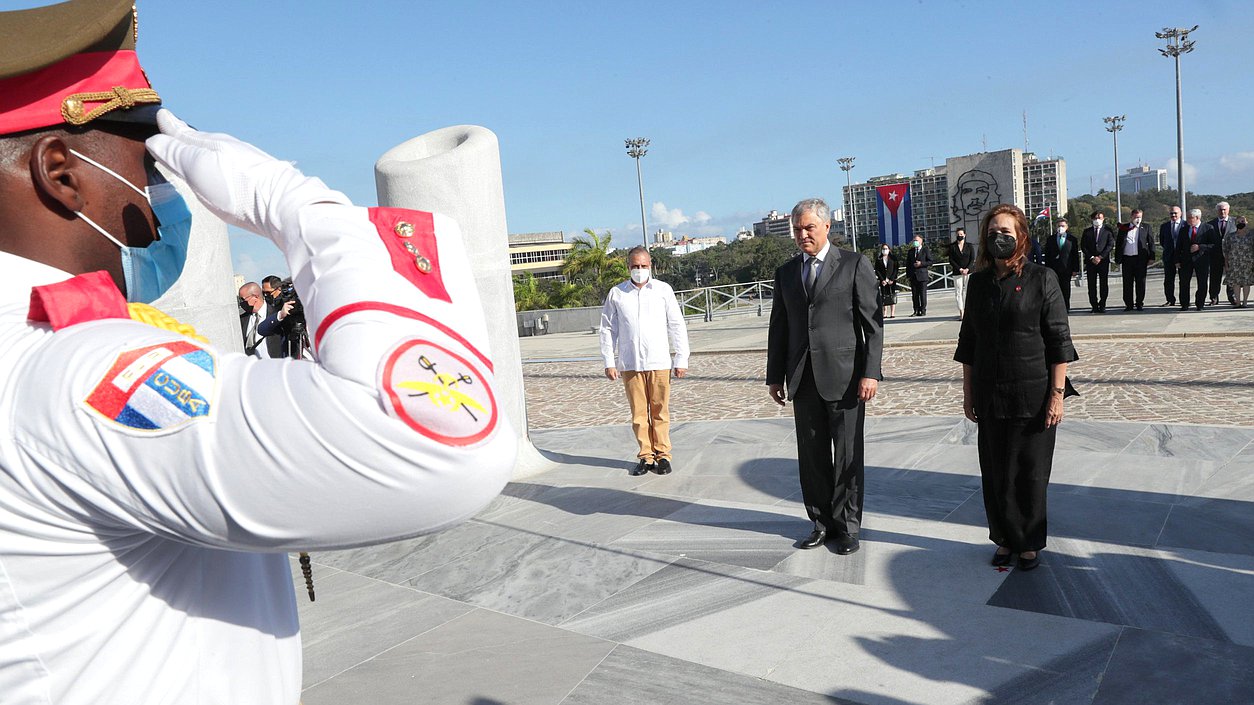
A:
x,y
589,257
566,294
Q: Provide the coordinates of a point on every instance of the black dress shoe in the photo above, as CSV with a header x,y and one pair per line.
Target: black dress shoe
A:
x,y
1184,307
814,540
663,466
846,544
1140,307
641,467
1127,308
1029,563
1001,559
1199,307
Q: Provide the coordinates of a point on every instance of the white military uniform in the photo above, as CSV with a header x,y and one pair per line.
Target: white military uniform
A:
x,y
151,486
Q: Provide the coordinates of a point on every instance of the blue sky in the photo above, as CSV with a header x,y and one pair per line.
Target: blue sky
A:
x,y
747,104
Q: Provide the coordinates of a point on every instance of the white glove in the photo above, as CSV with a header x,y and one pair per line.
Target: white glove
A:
x,y
241,184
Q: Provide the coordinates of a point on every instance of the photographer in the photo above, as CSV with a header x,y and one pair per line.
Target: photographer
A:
x,y
284,324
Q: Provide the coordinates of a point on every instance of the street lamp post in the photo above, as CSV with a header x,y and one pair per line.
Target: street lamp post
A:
x,y
846,165
636,148
1114,124
1178,43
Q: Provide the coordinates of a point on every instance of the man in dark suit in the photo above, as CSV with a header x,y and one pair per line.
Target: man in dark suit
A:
x,y
251,316
1133,254
1062,254
1096,243
1168,233
275,327
1222,226
918,262
825,342
1193,253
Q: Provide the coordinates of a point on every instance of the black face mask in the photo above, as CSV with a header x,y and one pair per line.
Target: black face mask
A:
x,y
961,238
1002,246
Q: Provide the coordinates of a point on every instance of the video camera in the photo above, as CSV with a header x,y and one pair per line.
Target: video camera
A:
x,y
297,335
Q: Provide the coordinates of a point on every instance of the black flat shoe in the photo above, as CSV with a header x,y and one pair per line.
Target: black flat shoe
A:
x,y
846,544
1001,559
641,468
814,540
1029,563
663,466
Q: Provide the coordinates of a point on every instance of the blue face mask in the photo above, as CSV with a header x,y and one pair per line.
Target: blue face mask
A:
x,y
150,271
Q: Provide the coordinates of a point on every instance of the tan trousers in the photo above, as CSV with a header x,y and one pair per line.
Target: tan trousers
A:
x,y
649,394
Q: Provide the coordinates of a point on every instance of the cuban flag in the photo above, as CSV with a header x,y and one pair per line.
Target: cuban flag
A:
x,y
896,223
157,387
1042,215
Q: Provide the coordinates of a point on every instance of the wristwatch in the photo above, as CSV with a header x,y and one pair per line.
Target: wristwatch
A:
x,y
1059,390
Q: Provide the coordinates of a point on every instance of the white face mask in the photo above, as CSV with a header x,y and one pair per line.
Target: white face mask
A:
x,y
1062,231
1097,224
640,276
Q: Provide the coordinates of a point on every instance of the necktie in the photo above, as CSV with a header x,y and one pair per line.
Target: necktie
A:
x,y
1193,234
812,272
252,331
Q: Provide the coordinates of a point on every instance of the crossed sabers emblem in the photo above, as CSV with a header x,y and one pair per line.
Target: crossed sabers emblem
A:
x,y
442,393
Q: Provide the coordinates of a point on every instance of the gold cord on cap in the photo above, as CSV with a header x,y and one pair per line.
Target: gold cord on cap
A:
x,y
73,106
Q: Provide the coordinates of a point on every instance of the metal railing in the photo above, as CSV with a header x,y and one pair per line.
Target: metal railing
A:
x,y
710,302
727,300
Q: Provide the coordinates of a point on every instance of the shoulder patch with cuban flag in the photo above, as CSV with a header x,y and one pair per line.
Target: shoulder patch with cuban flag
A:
x,y
438,393
157,387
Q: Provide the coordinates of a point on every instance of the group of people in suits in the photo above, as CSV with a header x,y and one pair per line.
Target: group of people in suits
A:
x,y
264,321
1190,250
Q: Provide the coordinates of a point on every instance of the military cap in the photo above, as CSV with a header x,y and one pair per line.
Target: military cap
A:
x,y
72,63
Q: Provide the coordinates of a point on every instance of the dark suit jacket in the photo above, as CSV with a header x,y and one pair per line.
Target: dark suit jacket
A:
x,y
1144,244
1217,252
839,333
275,332
1064,260
1097,246
890,272
244,318
923,255
1205,241
964,259
1012,331
1167,242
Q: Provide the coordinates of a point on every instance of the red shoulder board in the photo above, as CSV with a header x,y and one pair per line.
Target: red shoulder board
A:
x,y
410,239
87,297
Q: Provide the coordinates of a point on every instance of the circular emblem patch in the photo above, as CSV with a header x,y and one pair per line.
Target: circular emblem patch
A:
x,y
438,393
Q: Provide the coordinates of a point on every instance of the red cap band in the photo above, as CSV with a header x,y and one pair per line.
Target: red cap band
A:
x,y
37,99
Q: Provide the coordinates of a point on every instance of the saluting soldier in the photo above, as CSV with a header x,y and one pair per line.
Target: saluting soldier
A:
x,y
151,485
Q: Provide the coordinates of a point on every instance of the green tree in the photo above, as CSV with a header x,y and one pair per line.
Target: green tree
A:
x,y
528,293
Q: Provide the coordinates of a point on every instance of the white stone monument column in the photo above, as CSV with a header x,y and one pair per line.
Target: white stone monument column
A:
x,y
457,171
204,295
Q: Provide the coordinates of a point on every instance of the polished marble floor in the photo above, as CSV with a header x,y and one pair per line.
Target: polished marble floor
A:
x,y
584,585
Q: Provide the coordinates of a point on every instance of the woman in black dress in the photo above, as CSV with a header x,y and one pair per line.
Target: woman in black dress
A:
x,y
1014,347
886,273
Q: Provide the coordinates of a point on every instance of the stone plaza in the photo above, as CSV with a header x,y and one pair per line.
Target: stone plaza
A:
x,y
583,585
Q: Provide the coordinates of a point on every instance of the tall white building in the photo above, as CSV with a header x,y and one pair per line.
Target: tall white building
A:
x,y
1044,184
1143,178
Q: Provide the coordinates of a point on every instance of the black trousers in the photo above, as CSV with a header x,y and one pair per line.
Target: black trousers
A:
x,y
1064,283
1169,281
1098,287
1133,270
1190,268
829,458
918,292
1016,457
